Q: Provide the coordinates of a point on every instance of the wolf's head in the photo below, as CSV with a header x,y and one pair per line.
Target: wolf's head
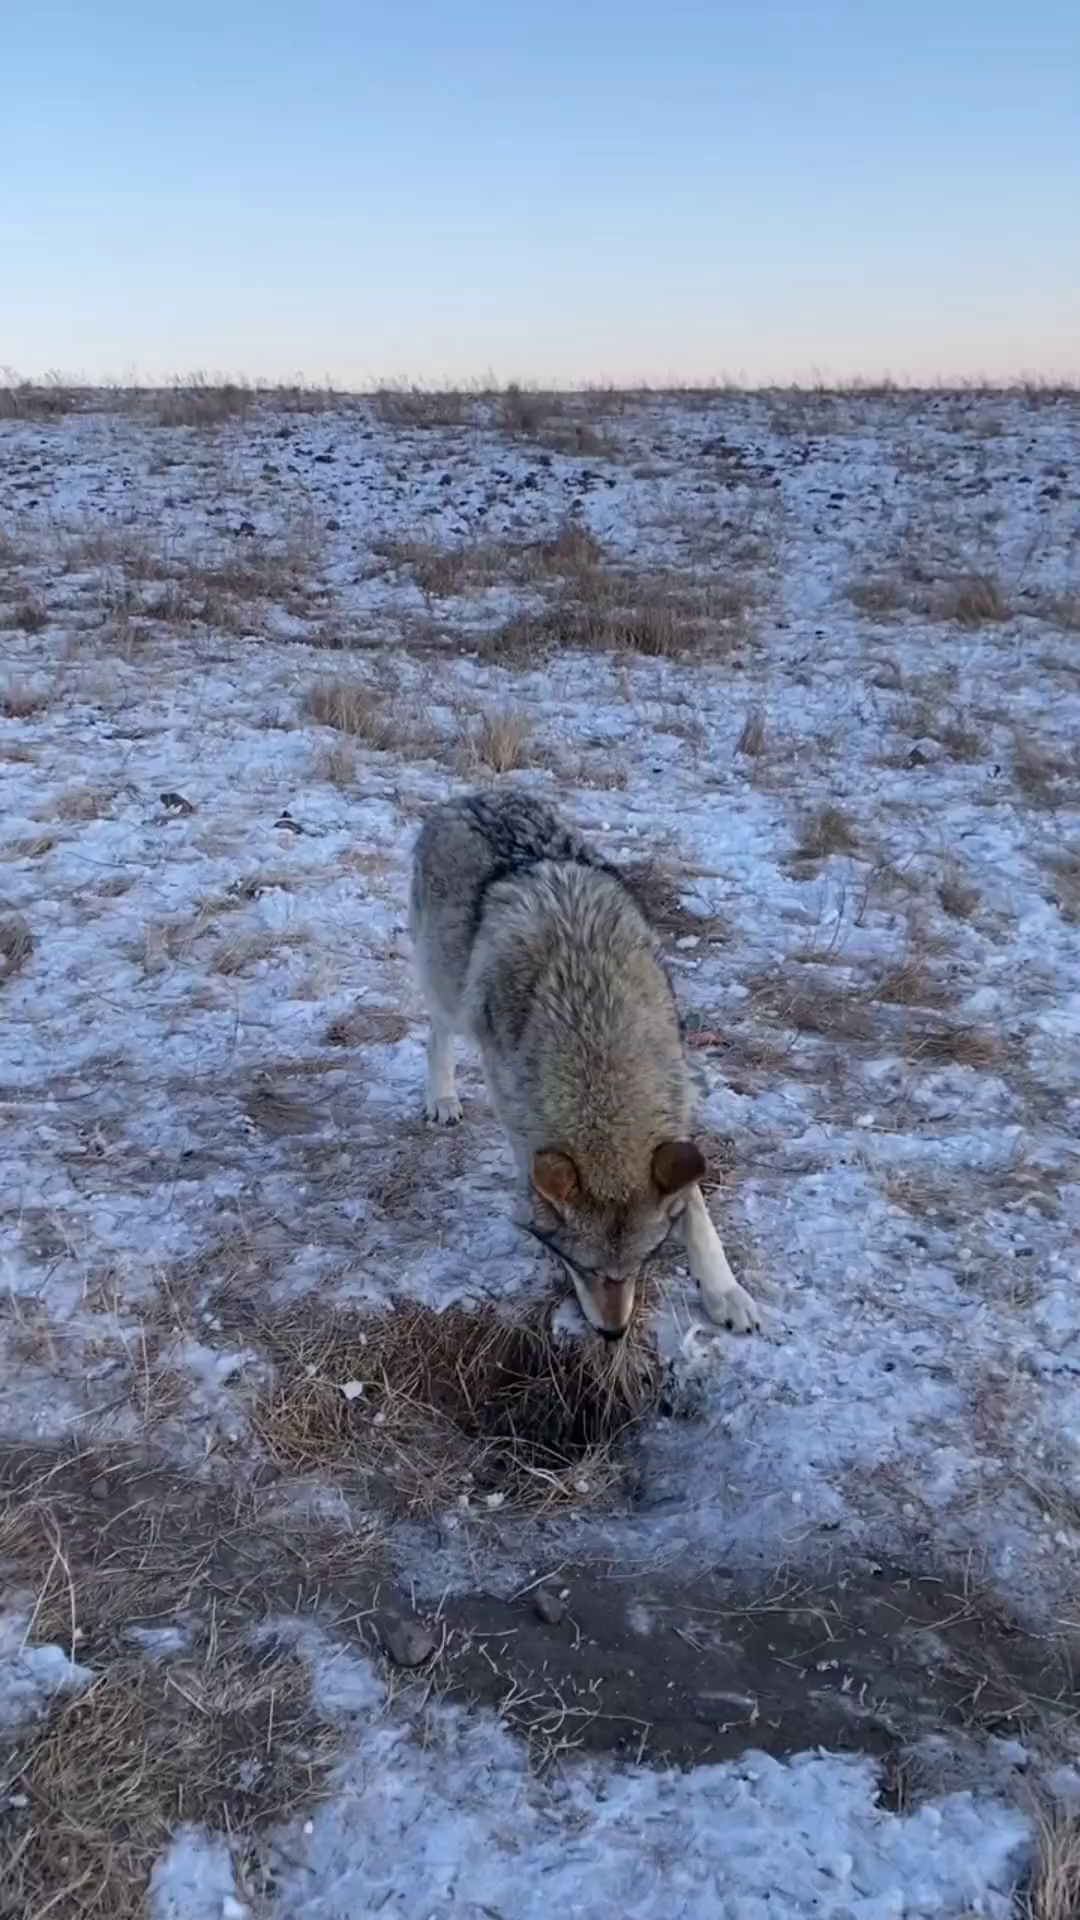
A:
x,y
602,1243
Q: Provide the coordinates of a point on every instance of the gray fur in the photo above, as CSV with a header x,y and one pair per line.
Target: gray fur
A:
x,y
535,949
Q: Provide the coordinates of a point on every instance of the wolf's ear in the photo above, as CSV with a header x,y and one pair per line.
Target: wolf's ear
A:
x,y
676,1164
555,1178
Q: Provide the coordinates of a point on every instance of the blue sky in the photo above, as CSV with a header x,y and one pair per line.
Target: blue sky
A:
x,y
551,192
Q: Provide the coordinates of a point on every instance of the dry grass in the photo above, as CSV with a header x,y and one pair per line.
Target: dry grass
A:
x,y
108,1776
1046,777
1064,865
335,764
16,944
200,402
973,600
28,615
435,1409
880,596
82,801
824,832
21,699
949,1045
245,946
608,609
1060,610
366,1027
958,897
402,405
658,891
752,736
50,399
500,741
1054,1890
374,715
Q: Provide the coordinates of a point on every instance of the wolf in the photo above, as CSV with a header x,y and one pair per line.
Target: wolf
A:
x,y
537,950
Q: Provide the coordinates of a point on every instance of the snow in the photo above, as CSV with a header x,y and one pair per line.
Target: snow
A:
x,y
176,1114
30,1676
455,1827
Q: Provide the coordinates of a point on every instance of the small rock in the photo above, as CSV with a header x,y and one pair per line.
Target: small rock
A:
x,y
548,1607
175,803
99,1488
408,1642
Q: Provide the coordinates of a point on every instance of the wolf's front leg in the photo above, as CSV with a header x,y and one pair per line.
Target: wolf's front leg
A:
x,y
721,1295
443,1105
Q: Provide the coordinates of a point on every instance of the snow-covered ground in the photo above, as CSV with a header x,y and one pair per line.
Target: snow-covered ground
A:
x,y
854,752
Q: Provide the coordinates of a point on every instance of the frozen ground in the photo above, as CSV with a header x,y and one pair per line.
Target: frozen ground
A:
x,y
817,657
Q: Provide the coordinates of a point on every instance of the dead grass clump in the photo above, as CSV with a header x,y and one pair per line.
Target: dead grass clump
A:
x,y
946,1045
96,1791
50,399
437,1409
909,984
402,405
659,893
82,802
974,600
573,550
335,764
1064,865
878,596
200,402
28,615
1045,777
21,699
1054,1889
440,572
16,944
499,741
524,411
1061,610
246,946
751,739
365,712
958,897
826,831
366,1026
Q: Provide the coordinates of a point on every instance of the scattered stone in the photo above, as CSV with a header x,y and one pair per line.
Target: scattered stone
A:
x,y
407,1642
549,1607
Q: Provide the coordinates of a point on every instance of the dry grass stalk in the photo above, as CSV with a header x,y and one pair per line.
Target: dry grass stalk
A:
x,y
442,1408
751,738
35,400
1054,1891
16,944
1064,865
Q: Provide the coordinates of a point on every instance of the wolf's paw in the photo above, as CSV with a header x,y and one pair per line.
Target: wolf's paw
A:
x,y
732,1308
443,1113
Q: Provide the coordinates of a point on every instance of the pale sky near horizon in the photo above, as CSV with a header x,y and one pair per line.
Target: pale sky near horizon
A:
x,y
551,192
